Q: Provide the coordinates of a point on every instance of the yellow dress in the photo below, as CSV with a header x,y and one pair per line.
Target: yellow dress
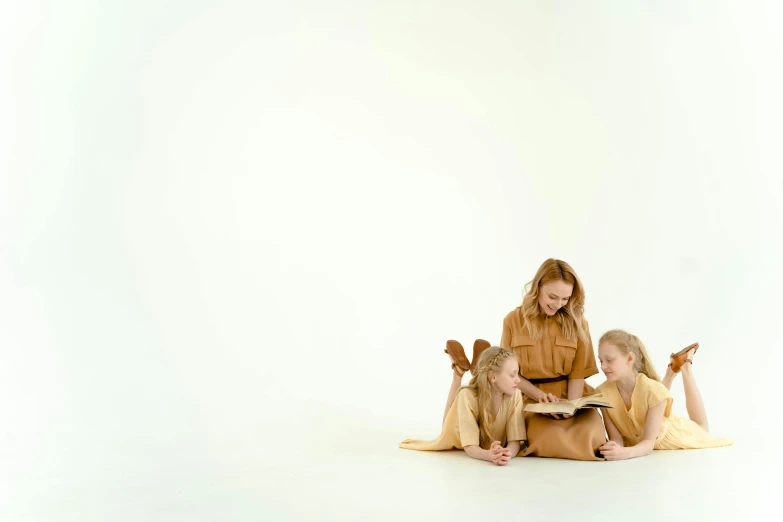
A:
x,y
461,427
676,432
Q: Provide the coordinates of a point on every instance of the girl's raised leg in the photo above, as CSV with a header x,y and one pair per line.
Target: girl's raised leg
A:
x,y
456,383
668,379
693,401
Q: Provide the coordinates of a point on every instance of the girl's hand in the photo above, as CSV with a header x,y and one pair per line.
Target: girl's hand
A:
x,y
499,454
613,451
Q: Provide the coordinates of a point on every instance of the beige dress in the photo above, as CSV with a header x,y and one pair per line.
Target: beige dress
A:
x,y
554,356
461,425
676,432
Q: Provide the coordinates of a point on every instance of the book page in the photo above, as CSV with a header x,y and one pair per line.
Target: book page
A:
x,y
552,407
595,400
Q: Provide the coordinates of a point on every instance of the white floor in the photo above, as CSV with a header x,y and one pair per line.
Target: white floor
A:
x,y
297,437
348,467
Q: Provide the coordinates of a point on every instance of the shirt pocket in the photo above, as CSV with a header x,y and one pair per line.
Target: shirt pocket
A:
x,y
523,346
565,351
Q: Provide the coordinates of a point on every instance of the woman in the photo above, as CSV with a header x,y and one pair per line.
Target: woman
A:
x,y
551,340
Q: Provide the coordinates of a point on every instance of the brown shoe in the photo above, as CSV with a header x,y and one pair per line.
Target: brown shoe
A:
x,y
681,357
478,346
455,350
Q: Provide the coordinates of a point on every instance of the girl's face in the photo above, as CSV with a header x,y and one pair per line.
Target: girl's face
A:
x,y
507,378
554,295
614,363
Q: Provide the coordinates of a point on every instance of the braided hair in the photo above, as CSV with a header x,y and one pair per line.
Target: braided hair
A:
x,y
491,360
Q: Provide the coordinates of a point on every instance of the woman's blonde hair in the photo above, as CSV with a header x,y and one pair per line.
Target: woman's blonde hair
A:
x,y
490,360
629,343
569,318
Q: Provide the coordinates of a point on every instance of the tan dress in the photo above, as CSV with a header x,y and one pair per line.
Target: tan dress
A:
x,y
461,425
553,356
676,432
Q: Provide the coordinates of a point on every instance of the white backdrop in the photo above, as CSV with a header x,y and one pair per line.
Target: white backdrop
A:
x,y
216,217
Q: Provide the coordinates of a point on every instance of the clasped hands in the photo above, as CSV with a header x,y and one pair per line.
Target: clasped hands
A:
x,y
500,455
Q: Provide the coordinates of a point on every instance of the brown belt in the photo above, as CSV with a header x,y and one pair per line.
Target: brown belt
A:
x,y
545,381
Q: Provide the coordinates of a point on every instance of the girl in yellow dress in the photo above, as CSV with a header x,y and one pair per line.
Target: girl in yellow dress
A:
x,y
640,420
485,417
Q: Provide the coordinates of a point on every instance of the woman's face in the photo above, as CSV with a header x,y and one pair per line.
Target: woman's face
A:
x,y
554,295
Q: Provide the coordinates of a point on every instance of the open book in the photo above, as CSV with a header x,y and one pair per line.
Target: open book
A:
x,y
570,407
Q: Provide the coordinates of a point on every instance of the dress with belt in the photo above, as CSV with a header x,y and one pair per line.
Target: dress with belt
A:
x,y
548,363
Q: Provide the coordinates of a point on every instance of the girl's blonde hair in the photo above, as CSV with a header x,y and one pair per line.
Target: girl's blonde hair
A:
x,y
570,317
629,343
490,360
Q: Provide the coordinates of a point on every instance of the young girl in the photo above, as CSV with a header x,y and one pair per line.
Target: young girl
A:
x,y
640,420
485,419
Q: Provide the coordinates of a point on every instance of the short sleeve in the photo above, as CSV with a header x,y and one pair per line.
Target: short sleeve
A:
x,y
515,427
584,361
467,418
505,338
657,393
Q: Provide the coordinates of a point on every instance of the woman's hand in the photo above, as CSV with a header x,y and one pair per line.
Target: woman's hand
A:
x,y
500,455
548,397
613,451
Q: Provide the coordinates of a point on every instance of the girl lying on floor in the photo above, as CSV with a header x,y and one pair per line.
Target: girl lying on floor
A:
x,y
640,420
485,417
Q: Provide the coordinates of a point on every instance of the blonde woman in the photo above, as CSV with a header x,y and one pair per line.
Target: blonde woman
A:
x,y
640,420
550,337
485,417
